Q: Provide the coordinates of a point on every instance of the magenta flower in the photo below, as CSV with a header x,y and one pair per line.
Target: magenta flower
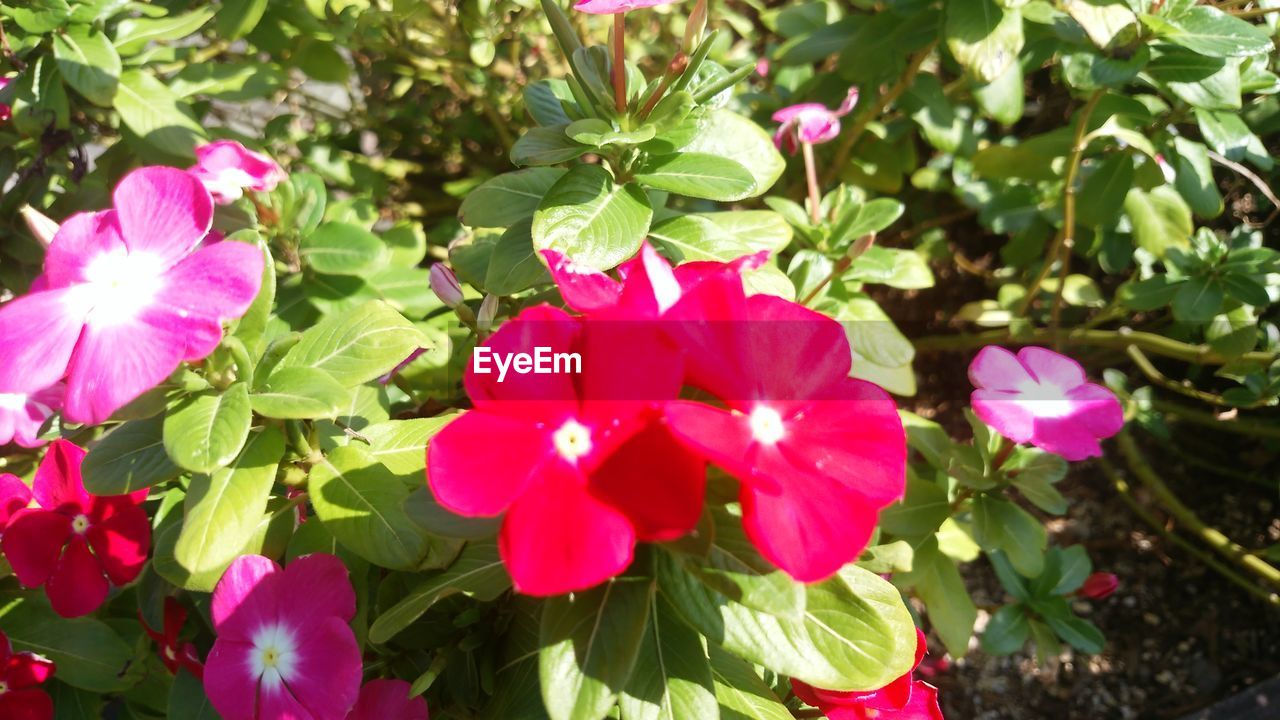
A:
x,y
21,415
5,111
613,7
1041,397
21,674
587,467
126,295
388,700
284,648
1099,586
228,168
75,544
810,123
902,699
174,653
14,496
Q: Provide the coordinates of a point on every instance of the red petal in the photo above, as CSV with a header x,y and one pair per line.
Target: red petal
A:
x,y
26,705
656,482
121,543
320,588
175,616
33,541
28,670
14,496
57,484
470,479
78,585
540,326
584,289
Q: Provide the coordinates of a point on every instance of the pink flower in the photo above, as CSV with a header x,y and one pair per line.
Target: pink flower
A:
x,y
284,648
587,468
20,674
228,168
75,544
126,295
22,415
1043,398
613,7
811,123
388,700
5,112
902,699
14,496
1099,586
173,652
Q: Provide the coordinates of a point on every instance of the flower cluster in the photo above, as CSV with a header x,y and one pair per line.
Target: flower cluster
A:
x,y
128,294
902,699
20,675
593,463
74,544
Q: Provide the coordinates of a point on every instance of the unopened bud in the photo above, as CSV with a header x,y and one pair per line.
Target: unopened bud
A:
x,y
445,285
40,225
488,311
696,24
1166,169
862,245
1098,586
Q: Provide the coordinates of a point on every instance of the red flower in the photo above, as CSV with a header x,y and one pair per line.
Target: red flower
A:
x,y
14,496
580,463
75,544
1099,585
20,673
902,699
173,653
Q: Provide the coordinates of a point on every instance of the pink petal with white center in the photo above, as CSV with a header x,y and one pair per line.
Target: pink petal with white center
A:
x,y
227,168
656,482
246,598
57,484
583,288
1003,411
81,239
116,362
797,111
78,585
219,281
14,496
388,700
122,542
468,478
38,333
326,675
163,212
1066,436
33,541
275,702
22,416
1051,367
228,681
320,587
995,368
557,538
1098,409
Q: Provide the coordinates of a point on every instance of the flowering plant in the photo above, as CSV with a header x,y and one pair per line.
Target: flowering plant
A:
x,y
632,435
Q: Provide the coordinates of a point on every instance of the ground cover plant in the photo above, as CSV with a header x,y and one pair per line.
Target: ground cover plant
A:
x,y
632,359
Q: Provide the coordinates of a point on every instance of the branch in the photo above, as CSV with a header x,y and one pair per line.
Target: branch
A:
x,y
1118,339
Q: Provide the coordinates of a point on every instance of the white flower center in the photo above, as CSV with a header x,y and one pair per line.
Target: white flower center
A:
x,y
80,524
1044,399
275,655
12,401
572,440
118,285
766,425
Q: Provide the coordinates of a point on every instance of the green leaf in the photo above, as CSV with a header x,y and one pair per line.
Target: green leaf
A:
x,y
362,503
1074,567
89,63
436,519
938,583
1001,525
1076,632
206,430
156,114
320,60
341,249
88,653
1161,219
594,221
1209,31
401,445
1155,292
237,18
222,510
188,700
923,509
1198,300
1227,133
1246,290
298,393
1205,82
865,218
590,642
1031,159
740,691
72,704
509,198
697,175
672,675
734,137
514,266
546,146
132,34
40,16
721,236
1007,631
358,345
1195,178
129,458
1103,20
542,99
855,633
478,573
599,133
983,37
1102,195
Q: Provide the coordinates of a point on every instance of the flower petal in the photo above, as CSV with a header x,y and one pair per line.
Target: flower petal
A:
x,y
57,484
557,538
81,239
1003,411
246,598
115,363
388,700
326,677
995,368
469,479
122,542
613,7
78,585
26,705
655,482
38,333
33,542
1098,409
14,496
219,281
320,587
1066,436
228,679
583,288
539,326
1051,367
162,211
28,670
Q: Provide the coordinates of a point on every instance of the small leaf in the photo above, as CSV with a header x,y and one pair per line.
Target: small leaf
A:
x,y
594,221
546,146
478,572
89,655
299,393
1007,631
341,249
508,198
205,431
1161,219
89,63
356,346
1198,300
129,458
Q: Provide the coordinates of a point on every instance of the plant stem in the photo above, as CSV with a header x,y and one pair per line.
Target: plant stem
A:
x,y
811,177
619,63
1211,536
1065,239
864,119
1118,339
1154,375
856,248
1258,12
1209,420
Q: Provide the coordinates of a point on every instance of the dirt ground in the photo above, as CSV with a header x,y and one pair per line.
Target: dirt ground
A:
x,y
1179,636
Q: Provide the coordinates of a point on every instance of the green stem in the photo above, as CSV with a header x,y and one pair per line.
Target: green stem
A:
x,y
619,63
811,177
1184,388
1118,339
1209,420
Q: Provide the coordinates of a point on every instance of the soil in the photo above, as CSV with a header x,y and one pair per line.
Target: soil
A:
x,y
1179,636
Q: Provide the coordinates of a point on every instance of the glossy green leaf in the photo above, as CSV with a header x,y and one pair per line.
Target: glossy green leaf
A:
x,y
188,700
1161,219
156,114
89,63
734,137
478,572
514,265
341,249
983,37
721,236
132,34
206,430
697,175
741,693
594,221
546,146
938,583
1101,197
299,393
1000,525
356,346
672,675
1198,300
40,16
89,655
508,198
129,458
1007,631
1209,31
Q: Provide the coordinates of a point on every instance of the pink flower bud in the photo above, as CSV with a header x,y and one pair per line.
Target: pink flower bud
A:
x,y
762,67
445,285
40,225
488,311
4,109
1099,586
1166,169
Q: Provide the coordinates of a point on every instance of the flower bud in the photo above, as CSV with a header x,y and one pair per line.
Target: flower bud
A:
x,y
1099,585
40,225
445,285
1166,169
488,311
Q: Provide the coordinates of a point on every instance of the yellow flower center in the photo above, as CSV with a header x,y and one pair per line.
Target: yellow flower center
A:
x,y
766,425
80,524
572,441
